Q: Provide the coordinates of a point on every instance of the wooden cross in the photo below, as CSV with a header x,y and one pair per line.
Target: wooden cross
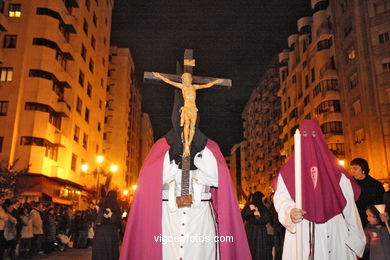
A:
x,y
188,112
189,63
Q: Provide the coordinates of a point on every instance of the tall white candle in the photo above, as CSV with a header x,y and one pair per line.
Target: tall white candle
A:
x,y
298,189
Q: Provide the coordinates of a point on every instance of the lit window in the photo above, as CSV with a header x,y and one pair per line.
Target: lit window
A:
x,y
6,74
351,55
14,10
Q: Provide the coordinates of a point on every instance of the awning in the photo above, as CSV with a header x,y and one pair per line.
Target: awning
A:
x,y
61,201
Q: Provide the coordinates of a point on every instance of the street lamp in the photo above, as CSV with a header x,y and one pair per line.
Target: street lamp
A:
x,y
100,160
114,168
342,162
84,168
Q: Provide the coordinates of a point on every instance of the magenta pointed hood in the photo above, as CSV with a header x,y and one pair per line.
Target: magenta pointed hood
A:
x,y
322,197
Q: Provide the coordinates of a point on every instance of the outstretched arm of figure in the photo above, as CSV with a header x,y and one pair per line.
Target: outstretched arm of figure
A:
x,y
209,85
166,80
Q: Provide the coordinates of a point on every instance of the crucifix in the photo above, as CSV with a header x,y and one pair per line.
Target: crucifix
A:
x,y
188,84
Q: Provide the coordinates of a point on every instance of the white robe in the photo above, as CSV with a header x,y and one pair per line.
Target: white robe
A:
x,y
191,224
340,238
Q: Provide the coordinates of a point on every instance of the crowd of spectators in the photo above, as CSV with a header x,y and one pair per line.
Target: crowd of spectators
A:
x,y
27,229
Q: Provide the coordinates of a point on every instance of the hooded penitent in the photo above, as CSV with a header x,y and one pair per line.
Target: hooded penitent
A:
x,y
322,197
144,226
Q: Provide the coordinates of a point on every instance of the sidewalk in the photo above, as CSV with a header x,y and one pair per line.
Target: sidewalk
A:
x,y
71,254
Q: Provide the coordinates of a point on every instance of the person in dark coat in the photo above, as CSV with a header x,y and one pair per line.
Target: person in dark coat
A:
x,y
257,216
371,190
50,228
106,240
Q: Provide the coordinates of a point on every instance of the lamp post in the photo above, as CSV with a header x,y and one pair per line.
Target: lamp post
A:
x,y
99,160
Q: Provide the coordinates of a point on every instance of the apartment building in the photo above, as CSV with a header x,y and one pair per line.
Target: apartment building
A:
x,y
310,82
362,44
52,92
261,132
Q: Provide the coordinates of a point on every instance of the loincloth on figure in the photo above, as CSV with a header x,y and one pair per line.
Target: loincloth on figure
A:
x,y
188,113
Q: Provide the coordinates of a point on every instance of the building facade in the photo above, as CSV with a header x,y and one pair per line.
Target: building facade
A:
x,y
52,92
116,121
261,132
362,40
134,133
309,81
147,137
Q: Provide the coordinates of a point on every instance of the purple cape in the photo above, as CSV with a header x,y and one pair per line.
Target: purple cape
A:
x,y
322,197
145,220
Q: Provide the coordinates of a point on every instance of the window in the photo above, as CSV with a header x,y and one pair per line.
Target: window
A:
x,y
81,78
79,105
313,75
356,108
386,65
1,143
88,4
89,90
55,120
359,136
347,31
86,115
324,44
99,126
351,55
3,108
14,10
384,37
76,135
334,127
104,61
61,60
83,52
293,113
10,41
325,85
104,41
2,4
306,81
306,100
100,104
288,102
379,8
94,19
328,107
73,166
91,65
51,152
85,141
337,149
93,42
353,81
85,27
294,79
6,74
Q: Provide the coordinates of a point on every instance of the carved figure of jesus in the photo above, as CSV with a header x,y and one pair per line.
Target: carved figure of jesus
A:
x,y
188,112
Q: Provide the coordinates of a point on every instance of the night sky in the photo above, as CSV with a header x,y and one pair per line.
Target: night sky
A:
x,y
231,39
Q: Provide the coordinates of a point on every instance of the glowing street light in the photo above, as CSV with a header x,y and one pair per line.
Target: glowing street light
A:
x,y
134,187
342,162
114,168
100,159
125,192
84,167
